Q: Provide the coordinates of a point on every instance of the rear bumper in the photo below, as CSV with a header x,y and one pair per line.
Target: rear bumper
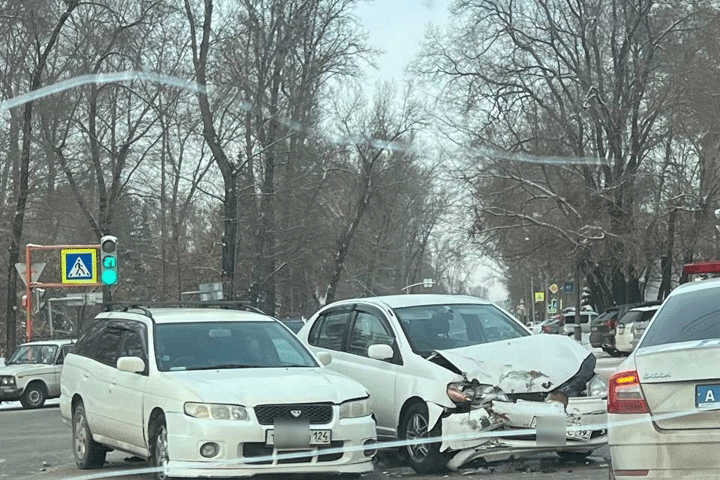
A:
x,y
636,444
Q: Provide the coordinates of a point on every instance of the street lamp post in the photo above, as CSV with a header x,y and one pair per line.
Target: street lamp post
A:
x,y
427,283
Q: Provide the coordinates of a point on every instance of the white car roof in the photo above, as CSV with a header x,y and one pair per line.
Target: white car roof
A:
x,y
191,315
57,342
414,300
696,286
645,309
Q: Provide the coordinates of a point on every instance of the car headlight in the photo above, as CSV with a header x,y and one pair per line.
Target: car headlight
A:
x,y
7,381
216,411
465,392
597,387
356,408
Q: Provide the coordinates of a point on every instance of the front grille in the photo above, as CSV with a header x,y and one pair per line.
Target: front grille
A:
x,y
253,450
316,413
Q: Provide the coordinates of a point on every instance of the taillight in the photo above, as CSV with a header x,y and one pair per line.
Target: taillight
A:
x,y
611,323
625,394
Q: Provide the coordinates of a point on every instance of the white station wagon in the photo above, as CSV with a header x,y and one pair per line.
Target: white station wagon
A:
x,y
211,392
32,373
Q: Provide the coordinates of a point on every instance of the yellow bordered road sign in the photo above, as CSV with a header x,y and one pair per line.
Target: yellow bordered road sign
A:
x,y
79,265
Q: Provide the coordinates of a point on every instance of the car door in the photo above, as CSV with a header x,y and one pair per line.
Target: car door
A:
x,y
370,327
54,384
96,389
126,389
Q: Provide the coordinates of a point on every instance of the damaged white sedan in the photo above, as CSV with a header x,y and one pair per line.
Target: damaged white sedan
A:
x,y
455,379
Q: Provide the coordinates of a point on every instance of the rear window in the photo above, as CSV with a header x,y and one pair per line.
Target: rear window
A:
x,y
687,317
630,317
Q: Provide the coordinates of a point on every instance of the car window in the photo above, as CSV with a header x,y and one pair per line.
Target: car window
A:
x,y
367,330
332,331
440,327
630,317
209,345
133,345
29,354
87,343
687,317
109,346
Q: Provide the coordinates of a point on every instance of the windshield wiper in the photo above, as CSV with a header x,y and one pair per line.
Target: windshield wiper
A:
x,y
226,366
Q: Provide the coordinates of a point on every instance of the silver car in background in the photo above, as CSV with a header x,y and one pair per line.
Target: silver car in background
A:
x,y
664,400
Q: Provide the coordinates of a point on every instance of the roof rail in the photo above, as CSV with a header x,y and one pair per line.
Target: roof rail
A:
x,y
126,306
229,304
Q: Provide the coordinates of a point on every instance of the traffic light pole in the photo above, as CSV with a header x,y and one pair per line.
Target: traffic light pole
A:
x,y
29,249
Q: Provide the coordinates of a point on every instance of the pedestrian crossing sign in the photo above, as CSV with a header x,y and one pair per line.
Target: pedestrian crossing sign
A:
x,y
79,265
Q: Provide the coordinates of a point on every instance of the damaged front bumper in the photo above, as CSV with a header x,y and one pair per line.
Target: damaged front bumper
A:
x,y
509,429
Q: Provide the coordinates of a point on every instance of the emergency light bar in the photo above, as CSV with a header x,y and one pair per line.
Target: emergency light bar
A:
x,y
701,267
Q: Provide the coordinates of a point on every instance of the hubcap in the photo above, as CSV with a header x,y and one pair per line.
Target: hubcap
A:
x,y
417,429
80,436
161,452
34,397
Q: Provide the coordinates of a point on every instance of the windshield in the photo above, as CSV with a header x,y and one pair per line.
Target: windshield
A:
x,y
44,354
441,327
210,345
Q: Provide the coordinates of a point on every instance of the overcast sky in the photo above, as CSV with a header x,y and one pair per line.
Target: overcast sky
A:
x,y
397,27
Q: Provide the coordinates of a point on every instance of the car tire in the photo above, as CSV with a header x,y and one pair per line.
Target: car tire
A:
x,y
159,455
34,396
424,457
87,452
573,456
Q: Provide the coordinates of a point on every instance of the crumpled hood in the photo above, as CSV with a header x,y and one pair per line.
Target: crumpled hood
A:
x,y
26,369
537,363
250,387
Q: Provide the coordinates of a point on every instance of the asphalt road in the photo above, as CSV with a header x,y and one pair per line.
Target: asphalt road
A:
x,y
36,444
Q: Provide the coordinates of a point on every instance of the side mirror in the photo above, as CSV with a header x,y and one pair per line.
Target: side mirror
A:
x,y
131,364
380,351
324,357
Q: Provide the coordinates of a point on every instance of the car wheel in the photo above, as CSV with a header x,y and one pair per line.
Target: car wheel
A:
x,y
159,454
87,452
34,396
423,457
573,456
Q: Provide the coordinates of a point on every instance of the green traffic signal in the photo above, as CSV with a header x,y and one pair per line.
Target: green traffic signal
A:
x,y
109,277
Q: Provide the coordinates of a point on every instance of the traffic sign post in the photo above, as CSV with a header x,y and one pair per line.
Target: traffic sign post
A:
x,y
79,268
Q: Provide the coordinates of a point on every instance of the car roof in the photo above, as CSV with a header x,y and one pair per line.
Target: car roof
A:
x,y
645,309
414,300
190,315
696,286
63,341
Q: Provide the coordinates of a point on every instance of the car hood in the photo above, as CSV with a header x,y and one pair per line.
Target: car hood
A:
x,y
250,387
26,369
537,363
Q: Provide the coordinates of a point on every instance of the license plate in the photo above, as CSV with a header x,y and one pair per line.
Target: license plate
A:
x,y
575,432
593,329
317,437
707,396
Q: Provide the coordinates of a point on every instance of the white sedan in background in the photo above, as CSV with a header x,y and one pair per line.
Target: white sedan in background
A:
x,y
461,368
628,324
664,400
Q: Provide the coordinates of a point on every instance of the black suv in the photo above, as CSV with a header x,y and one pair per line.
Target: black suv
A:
x,y
602,330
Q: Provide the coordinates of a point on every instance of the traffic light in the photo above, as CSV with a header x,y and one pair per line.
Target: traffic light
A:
x,y
108,260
